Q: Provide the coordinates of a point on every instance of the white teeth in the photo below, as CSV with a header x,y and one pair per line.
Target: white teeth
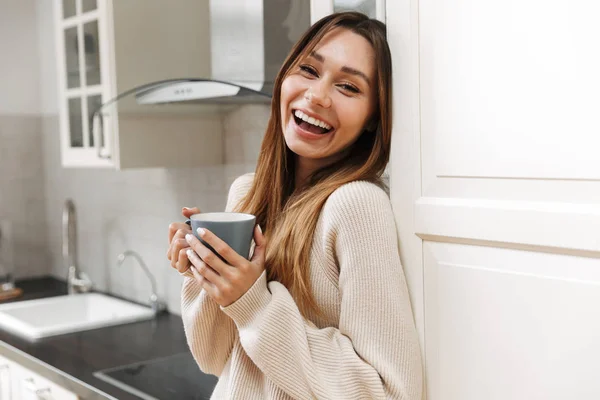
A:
x,y
311,120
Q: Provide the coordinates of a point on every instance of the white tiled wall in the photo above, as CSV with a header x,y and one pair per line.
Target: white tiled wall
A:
x,y
21,180
119,210
21,193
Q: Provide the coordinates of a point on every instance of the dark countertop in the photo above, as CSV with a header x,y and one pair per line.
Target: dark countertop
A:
x,y
79,355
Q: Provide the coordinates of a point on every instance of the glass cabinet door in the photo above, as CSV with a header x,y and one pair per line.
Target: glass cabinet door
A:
x,y
69,8
88,5
82,75
72,57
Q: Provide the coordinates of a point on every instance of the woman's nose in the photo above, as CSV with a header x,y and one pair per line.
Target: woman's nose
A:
x,y
318,96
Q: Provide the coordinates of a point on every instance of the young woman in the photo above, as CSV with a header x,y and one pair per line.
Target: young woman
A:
x,y
321,311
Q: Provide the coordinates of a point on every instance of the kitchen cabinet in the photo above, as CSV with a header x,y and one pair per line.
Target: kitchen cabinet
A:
x,y
19,383
106,47
321,8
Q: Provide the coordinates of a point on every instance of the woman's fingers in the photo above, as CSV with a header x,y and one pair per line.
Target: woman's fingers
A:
x,y
202,268
176,238
183,263
177,232
188,212
222,248
177,244
260,247
208,256
175,227
207,285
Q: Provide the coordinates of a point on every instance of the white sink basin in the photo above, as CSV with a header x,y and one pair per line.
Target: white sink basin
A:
x,y
36,319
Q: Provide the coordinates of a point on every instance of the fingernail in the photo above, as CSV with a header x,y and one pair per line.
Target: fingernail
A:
x,y
189,252
200,231
259,229
188,237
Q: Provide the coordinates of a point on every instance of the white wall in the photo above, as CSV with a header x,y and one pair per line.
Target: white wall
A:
x,y
19,69
21,178
46,41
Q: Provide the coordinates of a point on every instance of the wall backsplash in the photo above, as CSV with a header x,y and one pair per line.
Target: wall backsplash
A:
x,y
22,187
131,209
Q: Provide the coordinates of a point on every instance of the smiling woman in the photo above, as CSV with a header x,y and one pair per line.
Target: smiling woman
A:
x,y
321,308
326,104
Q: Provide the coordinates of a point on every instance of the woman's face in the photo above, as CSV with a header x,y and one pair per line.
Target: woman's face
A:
x,y
329,97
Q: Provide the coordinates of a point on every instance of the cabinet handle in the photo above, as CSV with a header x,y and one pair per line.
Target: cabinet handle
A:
x,y
41,394
97,130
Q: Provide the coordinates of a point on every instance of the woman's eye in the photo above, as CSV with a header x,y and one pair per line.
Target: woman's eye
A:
x,y
349,88
308,69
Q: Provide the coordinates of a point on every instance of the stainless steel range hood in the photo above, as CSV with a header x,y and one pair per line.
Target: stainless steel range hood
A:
x,y
249,41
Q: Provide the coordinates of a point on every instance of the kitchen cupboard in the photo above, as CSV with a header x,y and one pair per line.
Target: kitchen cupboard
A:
x,y
106,47
495,183
19,383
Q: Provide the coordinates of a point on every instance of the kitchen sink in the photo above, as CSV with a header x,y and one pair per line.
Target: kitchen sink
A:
x,y
40,318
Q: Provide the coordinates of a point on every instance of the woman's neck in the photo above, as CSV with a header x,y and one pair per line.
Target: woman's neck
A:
x,y
305,167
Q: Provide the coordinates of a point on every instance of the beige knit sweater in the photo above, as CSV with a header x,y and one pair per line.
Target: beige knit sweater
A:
x,y
365,347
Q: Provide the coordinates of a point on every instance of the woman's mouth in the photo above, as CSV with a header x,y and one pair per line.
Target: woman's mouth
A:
x,y
310,124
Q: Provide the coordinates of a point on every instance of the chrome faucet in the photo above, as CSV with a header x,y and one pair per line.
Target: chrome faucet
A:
x,y
77,281
155,303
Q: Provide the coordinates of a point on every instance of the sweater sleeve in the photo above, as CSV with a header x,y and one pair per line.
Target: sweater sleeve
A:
x,y
374,354
209,332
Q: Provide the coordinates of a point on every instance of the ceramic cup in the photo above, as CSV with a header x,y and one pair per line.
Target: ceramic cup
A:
x,y
235,229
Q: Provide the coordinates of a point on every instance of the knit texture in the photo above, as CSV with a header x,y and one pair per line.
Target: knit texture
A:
x,y
364,347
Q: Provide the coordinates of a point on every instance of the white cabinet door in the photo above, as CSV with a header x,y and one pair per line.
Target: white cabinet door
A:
x,y
19,383
31,386
321,8
81,37
5,380
495,180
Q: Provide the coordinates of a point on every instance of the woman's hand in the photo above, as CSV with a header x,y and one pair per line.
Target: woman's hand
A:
x,y
227,281
177,243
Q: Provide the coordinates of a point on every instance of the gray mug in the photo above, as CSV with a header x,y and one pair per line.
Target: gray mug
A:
x,y
235,229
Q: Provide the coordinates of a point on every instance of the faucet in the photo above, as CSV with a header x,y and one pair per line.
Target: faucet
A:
x,y
155,303
77,281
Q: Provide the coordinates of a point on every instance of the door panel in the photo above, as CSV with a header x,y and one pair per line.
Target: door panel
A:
x,y
509,324
499,176
510,89
509,102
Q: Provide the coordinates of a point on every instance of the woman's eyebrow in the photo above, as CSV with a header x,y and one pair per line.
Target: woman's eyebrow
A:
x,y
345,69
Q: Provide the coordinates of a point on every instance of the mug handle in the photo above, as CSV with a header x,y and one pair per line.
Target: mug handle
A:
x,y
188,222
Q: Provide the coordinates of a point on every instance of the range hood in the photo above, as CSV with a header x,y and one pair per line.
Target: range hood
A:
x,y
249,40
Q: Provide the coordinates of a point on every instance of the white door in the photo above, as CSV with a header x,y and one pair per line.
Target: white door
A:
x,y
495,180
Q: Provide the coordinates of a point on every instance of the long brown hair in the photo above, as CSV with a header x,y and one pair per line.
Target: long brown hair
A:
x,y
272,199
